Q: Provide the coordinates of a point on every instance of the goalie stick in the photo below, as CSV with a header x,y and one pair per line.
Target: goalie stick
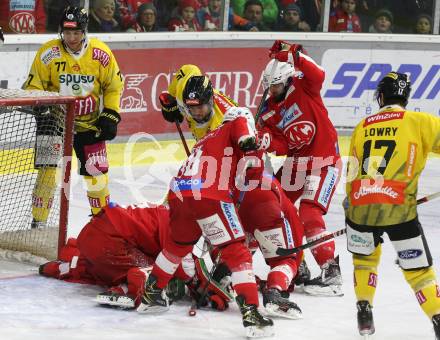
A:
x,y
285,251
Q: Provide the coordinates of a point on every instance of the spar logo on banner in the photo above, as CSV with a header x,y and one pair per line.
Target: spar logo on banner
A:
x,y
352,77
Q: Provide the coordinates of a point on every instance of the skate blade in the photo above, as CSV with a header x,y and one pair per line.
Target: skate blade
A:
x,y
331,290
121,302
274,310
259,332
366,334
147,309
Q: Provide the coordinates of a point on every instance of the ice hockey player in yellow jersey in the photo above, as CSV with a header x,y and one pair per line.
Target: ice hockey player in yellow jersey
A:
x,y
77,66
203,114
388,153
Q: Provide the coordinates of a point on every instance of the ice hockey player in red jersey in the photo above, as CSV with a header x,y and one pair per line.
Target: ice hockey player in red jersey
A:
x,y
201,203
117,249
207,116
294,122
260,210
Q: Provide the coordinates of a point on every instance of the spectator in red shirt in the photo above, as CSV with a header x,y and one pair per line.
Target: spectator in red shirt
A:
x,y
186,19
344,19
21,16
128,10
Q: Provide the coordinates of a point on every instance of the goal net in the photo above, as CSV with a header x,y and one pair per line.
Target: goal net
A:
x,y
36,130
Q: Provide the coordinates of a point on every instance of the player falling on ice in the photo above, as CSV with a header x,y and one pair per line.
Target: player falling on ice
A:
x,y
294,122
117,249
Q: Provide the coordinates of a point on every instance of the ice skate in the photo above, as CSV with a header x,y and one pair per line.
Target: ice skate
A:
x,y
329,283
277,303
436,323
154,299
365,319
115,298
256,325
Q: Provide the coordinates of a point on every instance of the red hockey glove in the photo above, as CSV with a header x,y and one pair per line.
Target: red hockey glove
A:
x,y
170,110
289,55
278,46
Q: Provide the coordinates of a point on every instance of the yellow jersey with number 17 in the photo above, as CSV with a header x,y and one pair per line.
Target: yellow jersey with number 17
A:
x,y
388,153
90,74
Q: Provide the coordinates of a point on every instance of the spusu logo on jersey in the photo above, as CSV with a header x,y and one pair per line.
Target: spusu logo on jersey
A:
x,y
299,134
76,84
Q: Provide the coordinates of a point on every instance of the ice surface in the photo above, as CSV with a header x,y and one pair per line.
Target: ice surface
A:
x,y
34,307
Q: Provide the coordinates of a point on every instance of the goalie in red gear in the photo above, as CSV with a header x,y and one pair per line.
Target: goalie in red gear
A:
x,y
117,249
294,122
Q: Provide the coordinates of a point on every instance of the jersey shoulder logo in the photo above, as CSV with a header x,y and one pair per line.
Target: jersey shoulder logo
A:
x,y
51,53
100,55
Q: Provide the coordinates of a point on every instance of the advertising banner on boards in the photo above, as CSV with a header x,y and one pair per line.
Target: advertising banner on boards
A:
x,y
348,91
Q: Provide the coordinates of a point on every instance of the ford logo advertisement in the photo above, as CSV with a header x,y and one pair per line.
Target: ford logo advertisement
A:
x,y
409,254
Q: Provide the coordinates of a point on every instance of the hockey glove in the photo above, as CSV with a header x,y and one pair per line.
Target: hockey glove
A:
x,y
285,52
170,110
41,109
107,123
248,144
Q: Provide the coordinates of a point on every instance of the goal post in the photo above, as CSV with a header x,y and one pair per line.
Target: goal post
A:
x,y
36,135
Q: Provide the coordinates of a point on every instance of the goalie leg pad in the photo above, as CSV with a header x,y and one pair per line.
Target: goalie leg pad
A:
x,y
48,151
42,196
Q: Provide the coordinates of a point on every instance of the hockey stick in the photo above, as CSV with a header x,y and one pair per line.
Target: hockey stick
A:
x,y
266,91
182,138
199,296
285,251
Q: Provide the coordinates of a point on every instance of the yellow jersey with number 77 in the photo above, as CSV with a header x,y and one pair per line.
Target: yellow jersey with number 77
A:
x,y
91,74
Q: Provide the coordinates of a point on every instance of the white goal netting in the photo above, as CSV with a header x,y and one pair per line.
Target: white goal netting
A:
x,y
32,137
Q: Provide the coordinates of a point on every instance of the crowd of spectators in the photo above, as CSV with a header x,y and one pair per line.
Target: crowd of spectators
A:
x,y
373,16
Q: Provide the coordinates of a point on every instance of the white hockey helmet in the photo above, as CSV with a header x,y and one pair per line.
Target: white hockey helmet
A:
x,y
281,75
235,112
